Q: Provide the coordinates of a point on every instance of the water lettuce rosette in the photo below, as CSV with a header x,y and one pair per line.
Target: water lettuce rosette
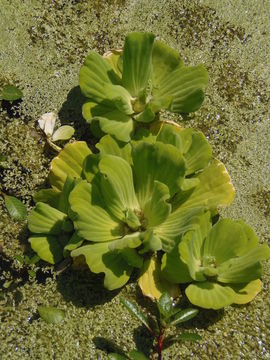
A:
x,y
125,89
135,199
222,263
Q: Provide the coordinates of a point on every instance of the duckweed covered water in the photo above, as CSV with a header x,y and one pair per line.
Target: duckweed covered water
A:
x,y
43,44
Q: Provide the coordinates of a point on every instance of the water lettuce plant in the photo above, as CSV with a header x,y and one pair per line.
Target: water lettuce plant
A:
x,y
128,200
126,88
222,263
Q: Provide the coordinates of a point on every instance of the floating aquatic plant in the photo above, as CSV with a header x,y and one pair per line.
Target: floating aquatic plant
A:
x,y
128,200
11,93
126,88
222,263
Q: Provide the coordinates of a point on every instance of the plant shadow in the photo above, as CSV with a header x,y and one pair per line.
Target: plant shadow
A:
x,y
83,288
71,114
107,345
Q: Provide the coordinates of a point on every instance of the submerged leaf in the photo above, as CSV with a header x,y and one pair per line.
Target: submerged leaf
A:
x,y
137,355
51,314
11,93
15,207
187,337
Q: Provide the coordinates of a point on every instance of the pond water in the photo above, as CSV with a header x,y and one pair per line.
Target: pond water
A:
x,y
42,45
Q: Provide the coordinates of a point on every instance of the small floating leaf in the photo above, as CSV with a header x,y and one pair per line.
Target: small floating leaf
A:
x,y
11,93
63,133
114,356
137,355
15,207
51,314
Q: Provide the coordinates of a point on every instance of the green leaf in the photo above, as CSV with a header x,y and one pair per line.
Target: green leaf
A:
x,y
226,240
65,132
95,73
186,85
134,310
137,355
11,93
116,185
130,240
152,283
210,295
112,57
244,268
49,196
114,356
68,162
15,207
74,242
45,219
214,190
109,146
165,306
187,337
161,162
164,61
99,258
92,221
246,292
137,58
49,248
184,315
51,314
157,209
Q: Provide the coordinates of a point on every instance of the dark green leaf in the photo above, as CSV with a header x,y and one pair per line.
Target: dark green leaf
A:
x,y
184,315
137,355
187,337
19,258
114,356
133,309
31,273
50,314
11,93
15,207
165,306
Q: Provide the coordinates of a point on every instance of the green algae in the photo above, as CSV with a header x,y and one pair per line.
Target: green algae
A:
x,y
42,47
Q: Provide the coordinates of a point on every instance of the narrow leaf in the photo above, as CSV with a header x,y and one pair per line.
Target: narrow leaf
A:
x,y
134,310
51,315
15,207
184,315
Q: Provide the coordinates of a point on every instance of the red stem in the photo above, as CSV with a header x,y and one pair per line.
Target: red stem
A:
x,y
160,344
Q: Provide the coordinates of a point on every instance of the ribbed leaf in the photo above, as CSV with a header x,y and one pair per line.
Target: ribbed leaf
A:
x,y
45,219
244,268
162,162
210,295
95,73
49,196
164,61
226,240
152,283
49,248
112,57
128,241
101,260
137,58
186,85
246,292
68,162
116,184
157,209
109,146
92,221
